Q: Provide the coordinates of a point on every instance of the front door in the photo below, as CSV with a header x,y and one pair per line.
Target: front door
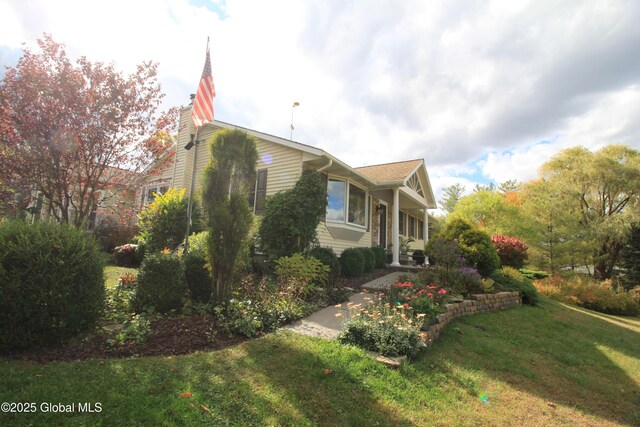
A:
x,y
382,233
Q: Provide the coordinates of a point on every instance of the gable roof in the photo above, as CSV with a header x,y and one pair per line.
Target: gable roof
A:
x,y
396,171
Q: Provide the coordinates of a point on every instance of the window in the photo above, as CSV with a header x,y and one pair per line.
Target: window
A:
x,y
148,197
258,197
420,229
402,222
412,227
335,209
347,203
357,206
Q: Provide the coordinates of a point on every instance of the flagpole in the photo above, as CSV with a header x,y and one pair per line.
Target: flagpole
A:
x,y
191,188
199,122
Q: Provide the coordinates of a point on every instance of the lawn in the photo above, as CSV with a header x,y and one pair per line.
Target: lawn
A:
x,y
113,273
553,365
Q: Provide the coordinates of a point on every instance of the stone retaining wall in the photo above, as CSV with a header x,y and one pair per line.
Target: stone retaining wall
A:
x,y
476,304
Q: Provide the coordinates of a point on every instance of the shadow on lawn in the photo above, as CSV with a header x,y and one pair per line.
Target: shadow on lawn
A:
x,y
294,382
554,353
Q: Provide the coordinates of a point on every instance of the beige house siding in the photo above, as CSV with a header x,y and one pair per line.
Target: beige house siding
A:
x,y
283,164
326,240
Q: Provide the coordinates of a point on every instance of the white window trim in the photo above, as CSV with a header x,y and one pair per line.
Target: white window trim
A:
x,y
346,203
155,187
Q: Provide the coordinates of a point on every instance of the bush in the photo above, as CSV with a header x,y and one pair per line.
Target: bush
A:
x,y
534,274
382,328
163,222
198,276
512,252
290,220
352,262
474,245
160,283
259,307
510,279
196,269
51,284
369,259
588,293
127,255
300,276
381,256
111,234
445,254
328,258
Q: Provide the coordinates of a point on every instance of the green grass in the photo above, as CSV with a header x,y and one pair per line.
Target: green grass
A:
x,y
554,365
113,273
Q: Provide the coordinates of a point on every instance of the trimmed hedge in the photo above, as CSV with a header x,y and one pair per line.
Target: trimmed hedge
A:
x,y
381,256
160,283
352,262
369,259
51,284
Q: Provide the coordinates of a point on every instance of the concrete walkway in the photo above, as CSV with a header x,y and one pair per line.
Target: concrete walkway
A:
x,y
327,322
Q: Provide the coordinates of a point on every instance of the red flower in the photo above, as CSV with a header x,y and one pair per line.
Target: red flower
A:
x,y
442,291
406,305
430,295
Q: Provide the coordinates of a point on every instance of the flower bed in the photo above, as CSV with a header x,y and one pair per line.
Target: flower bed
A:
x,y
410,315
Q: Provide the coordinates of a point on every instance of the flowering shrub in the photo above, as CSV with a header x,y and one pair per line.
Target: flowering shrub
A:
x,y
511,250
384,328
261,306
458,281
427,300
126,255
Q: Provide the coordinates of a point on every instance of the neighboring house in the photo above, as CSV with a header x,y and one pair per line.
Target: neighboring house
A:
x,y
368,206
115,203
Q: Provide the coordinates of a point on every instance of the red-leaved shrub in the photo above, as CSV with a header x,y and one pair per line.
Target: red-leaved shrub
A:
x,y
511,250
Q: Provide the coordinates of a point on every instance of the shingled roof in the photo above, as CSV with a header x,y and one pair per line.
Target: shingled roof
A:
x,y
396,171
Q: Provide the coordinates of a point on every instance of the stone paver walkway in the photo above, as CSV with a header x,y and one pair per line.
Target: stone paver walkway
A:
x,y
327,322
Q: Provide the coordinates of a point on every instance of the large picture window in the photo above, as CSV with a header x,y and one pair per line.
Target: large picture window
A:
x,y
336,191
357,205
347,203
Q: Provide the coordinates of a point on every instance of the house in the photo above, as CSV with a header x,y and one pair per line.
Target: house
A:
x,y
368,206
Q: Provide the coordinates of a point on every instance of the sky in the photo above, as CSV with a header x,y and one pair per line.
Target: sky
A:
x,y
484,91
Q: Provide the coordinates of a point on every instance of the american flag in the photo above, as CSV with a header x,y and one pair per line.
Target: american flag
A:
x,y
202,111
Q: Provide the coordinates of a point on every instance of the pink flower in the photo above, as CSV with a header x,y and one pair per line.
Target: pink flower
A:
x,y
442,291
430,295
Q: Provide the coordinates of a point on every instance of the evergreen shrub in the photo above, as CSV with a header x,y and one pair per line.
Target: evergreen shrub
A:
x,y
352,262
51,284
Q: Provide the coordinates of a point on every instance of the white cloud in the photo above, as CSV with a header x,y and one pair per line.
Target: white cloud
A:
x,y
449,81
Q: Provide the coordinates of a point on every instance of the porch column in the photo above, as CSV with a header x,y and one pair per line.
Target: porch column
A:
x,y
395,236
425,224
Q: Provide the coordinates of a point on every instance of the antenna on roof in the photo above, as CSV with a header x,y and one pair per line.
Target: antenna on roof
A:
x,y
295,104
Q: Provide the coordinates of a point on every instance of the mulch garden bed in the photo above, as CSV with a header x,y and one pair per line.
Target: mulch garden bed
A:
x,y
169,336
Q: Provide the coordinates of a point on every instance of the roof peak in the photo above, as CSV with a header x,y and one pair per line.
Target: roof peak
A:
x,y
390,163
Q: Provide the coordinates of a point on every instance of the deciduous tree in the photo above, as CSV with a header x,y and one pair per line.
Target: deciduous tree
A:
x,y
604,188
451,195
78,131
